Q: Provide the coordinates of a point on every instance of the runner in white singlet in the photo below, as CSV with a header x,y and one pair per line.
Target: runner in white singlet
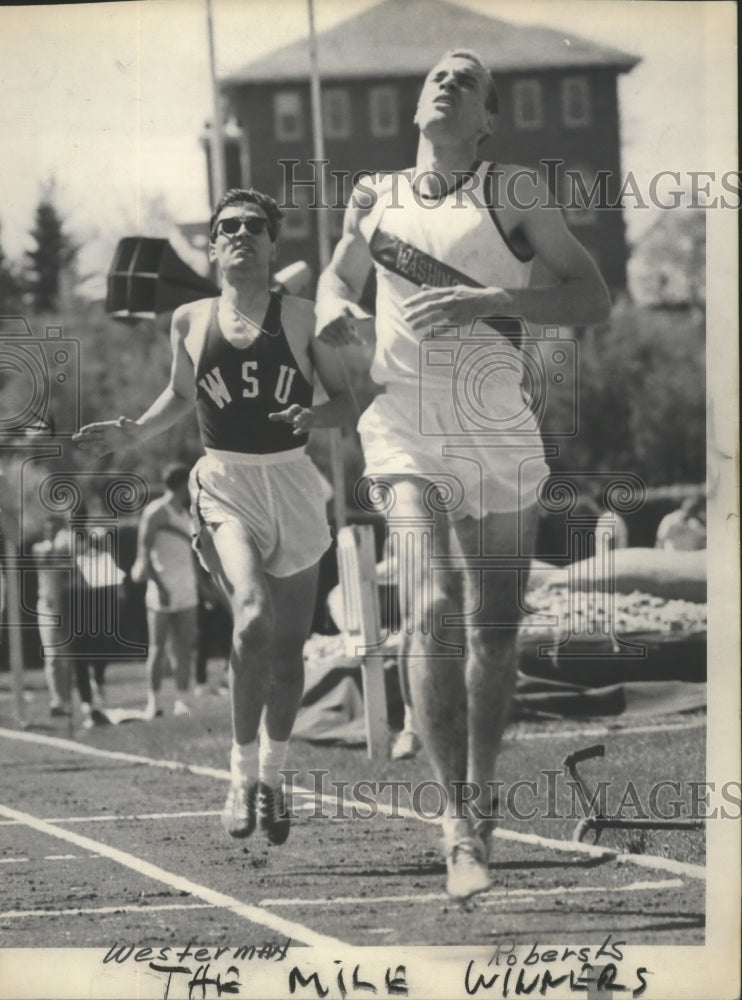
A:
x,y
449,442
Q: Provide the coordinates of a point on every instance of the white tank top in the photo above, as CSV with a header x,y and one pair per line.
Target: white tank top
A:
x,y
437,241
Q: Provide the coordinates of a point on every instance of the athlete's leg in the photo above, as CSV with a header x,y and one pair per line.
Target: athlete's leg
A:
x,y
407,743
494,600
235,566
293,599
434,651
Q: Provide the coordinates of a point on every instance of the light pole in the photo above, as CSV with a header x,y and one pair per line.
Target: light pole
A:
x,y
218,164
323,238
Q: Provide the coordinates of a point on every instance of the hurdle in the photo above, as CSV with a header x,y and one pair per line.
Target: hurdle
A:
x,y
361,620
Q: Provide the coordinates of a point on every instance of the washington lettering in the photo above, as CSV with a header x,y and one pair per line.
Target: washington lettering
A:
x,y
420,268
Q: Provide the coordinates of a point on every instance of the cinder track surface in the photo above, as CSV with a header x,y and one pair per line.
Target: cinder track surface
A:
x,y
114,835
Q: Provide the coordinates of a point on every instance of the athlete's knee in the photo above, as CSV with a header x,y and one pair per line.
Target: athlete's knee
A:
x,y
253,625
288,669
493,643
429,612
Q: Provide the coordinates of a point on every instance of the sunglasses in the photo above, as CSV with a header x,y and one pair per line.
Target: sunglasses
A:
x,y
254,225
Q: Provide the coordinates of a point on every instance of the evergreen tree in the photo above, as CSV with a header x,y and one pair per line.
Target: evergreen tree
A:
x,y
52,254
10,289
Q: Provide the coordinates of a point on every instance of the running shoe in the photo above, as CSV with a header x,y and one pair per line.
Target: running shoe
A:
x,y
239,813
274,817
95,718
467,870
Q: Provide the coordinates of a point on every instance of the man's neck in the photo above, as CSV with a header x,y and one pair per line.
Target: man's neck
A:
x,y
250,296
446,160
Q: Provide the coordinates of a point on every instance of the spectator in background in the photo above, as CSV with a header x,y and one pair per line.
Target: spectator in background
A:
x,y
165,561
52,606
684,529
94,619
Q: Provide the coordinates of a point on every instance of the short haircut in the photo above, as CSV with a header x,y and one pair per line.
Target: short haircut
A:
x,y
249,196
491,101
175,475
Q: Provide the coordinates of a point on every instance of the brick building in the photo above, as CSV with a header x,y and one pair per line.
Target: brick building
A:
x,y
558,102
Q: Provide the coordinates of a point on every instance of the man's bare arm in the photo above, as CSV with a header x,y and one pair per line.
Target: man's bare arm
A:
x,y
341,284
580,297
173,403
336,368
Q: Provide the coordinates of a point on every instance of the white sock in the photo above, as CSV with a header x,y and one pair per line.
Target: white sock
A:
x,y
271,759
409,722
240,758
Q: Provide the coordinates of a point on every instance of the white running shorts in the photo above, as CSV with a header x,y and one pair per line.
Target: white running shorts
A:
x,y
280,498
480,469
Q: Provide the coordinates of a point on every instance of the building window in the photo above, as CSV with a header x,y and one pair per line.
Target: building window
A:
x,y
582,192
336,119
576,101
528,104
287,115
383,111
295,224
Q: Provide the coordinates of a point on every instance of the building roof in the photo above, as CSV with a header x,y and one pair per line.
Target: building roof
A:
x,y
406,37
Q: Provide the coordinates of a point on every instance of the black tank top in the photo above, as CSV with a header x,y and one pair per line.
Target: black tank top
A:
x,y
236,388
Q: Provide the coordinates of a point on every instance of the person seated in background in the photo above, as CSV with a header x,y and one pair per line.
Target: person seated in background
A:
x,y
165,561
684,529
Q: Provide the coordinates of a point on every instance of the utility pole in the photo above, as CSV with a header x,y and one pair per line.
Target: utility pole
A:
x,y
217,158
323,238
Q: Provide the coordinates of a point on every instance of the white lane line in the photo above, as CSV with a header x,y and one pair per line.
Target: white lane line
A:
x,y
76,910
49,857
120,817
560,734
432,897
56,743
644,860
245,910
536,840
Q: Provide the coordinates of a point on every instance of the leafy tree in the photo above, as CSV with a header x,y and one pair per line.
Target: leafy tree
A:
x,y
53,253
641,398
